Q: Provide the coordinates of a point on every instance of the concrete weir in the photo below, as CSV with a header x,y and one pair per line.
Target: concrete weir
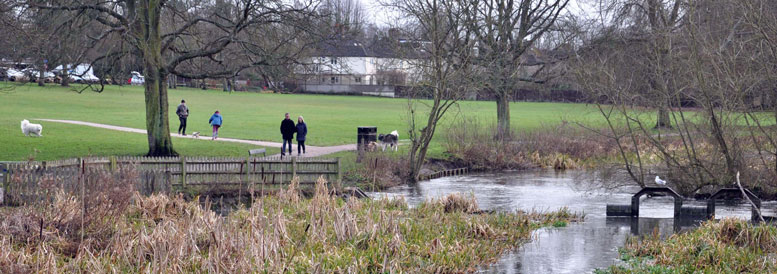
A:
x,y
708,211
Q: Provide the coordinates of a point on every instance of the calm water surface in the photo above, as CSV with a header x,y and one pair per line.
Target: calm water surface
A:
x,y
577,248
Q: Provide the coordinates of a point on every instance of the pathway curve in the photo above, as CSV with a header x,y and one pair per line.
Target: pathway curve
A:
x,y
312,151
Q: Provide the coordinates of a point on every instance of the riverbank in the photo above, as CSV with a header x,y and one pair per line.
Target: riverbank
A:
x,y
283,233
725,246
471,145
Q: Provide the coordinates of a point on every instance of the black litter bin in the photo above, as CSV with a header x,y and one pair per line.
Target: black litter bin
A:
x,y
365,135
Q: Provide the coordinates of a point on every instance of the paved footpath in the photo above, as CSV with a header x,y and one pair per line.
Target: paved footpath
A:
x,y
312,151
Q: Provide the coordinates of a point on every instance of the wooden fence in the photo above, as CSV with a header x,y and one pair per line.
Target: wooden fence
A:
x,y
445,173
24,181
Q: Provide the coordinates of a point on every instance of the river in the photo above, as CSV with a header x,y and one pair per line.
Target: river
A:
x,y
576,248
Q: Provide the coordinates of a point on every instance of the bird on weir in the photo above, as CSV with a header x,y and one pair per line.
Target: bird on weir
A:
x,y
660,182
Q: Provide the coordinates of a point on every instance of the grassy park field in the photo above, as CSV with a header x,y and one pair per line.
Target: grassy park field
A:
x,y
332,120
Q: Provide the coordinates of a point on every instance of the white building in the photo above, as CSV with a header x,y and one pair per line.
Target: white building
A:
x,y
350,67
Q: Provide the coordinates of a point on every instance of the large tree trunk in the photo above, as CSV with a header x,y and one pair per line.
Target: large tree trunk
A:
x,y
157,122
663,118
65,81
40,78
503,115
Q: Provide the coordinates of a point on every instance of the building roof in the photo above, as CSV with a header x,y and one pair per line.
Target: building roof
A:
x,y
342,48
383,48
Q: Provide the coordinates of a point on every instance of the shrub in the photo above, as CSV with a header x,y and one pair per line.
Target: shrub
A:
x,y
562,147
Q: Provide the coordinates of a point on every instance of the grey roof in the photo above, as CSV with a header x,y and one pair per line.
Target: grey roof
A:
x,y
343,48
381,49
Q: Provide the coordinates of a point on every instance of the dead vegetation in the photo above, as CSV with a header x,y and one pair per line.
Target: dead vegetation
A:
x,y
726,246
283,233
562,147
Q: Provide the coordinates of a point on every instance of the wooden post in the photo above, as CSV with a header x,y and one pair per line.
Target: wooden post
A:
x,y
339,174
293,167
168,182
113,163
6,174
183,172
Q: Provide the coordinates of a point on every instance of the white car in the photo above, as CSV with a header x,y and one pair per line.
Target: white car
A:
x,y
82,73
137,78
31,73
15,75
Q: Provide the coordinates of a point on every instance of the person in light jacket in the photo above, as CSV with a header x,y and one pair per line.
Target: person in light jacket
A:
x,y
302,131
287,131
215,121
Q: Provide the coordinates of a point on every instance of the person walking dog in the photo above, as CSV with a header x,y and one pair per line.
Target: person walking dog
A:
x,y
302,131
287,131
183,113
215,121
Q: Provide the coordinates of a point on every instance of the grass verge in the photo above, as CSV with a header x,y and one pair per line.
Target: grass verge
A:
x,y
727,246
285,233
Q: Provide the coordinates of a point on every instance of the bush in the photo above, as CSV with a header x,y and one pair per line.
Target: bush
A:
x,y
562,147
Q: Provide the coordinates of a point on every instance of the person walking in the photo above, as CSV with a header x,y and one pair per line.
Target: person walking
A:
x,y
215,121
183,113
302,131
287,131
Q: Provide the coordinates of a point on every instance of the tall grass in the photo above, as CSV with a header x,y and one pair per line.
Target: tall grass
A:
x,y
283,233
727,246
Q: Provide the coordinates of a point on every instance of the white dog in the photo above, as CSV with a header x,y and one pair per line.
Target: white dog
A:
x,y
28,128
391,140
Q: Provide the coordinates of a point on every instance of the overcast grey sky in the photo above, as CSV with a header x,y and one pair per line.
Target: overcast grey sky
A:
x,y
382,16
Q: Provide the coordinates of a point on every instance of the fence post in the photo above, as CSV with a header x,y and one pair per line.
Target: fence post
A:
x,y
4,173
183,172
113,163
293,167
339,173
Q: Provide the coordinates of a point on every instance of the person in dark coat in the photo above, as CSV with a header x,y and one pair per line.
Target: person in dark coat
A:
x,y
183,113
302,131
287,130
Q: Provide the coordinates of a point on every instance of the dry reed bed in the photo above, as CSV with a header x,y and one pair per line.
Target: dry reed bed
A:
x,y
276,234
561,147
725,246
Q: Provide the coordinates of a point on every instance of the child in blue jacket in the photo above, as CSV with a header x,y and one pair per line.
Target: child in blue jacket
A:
x,y
215,121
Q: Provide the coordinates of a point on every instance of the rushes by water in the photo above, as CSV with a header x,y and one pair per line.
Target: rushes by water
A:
x,y
276,234
727,246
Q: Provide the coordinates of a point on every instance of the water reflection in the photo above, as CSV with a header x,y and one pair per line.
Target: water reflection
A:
x,y
576,248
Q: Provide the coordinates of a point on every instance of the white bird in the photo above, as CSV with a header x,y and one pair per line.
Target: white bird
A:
x,y
659,181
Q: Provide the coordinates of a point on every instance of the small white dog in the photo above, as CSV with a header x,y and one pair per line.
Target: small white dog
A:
x,y
28,128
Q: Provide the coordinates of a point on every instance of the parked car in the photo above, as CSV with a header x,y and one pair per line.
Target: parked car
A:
x,y
82,73
15,75
137,78
33,75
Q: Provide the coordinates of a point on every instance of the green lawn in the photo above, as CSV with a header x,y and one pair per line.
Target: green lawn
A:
x,y
332,120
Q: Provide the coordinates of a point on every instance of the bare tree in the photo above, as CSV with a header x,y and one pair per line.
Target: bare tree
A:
x,y
171,37
713,81
651,23
345,17
446,48
505,31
